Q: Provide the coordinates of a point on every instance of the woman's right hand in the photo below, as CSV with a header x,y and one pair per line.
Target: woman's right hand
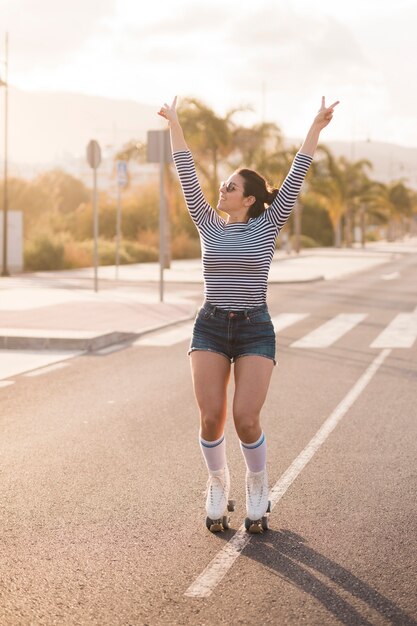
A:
x,y
169,112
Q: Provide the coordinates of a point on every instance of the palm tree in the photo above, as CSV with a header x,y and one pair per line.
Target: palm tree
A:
x,y
393,204
338,184
210,137
261,148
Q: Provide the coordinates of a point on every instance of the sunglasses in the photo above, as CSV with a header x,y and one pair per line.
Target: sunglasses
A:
x,y
229,186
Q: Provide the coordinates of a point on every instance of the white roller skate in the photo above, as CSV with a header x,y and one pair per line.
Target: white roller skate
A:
x,y
218,503
257,503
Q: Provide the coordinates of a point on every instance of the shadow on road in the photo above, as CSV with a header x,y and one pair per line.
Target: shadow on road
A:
x,y
286,553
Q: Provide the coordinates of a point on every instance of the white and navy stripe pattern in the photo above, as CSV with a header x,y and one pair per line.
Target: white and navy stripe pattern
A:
x,y
252,446
237,257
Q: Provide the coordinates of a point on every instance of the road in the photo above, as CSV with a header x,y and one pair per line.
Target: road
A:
x,y
103,482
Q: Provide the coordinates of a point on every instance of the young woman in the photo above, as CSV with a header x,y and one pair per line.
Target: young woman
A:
x,y
233,325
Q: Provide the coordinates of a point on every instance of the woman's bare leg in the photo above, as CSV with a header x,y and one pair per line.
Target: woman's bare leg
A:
x,y
210,373
252,378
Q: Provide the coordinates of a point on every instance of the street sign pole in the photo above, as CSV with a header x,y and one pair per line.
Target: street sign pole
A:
x,y
4,83
159,151
94,160
95,212
118,223
122,180
161,217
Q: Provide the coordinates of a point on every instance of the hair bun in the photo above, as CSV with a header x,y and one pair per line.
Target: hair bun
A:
x,y
271,195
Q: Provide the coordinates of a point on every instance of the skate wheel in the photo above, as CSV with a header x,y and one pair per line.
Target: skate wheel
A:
x,y
253,526
268,510
231,505
216,525
265,523
226,521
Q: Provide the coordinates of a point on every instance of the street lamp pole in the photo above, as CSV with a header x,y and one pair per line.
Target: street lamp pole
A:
x,y
3,83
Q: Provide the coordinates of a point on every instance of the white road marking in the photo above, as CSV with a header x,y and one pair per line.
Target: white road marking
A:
x,y
167,337
46,370
6,383
204,585
400,333
14,362
391,276
109,349
287,319
329,332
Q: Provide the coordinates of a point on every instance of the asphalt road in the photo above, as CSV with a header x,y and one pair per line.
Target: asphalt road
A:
x,y
102,481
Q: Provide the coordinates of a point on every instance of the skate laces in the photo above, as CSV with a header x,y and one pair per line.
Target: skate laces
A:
x,y
216,483
255,486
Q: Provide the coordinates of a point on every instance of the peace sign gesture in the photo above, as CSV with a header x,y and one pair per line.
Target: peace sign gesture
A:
x,y
169,112
324,114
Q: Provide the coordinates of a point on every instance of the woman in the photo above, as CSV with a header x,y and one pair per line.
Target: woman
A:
x,y
233,325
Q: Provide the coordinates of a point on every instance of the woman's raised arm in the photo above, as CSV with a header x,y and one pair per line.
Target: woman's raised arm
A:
x,y
178,143
321,120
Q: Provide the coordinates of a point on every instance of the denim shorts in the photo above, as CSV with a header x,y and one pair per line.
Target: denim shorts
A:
x,y
234,333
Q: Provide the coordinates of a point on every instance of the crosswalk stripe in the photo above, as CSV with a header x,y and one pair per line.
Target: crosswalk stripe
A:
x,y
167,337
287,319
329,332
391,276
400,333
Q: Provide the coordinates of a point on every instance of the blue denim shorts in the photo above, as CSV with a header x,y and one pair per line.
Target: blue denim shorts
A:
x,y
234,333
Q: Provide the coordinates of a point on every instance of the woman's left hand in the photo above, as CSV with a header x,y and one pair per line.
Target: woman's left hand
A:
x,y
325,114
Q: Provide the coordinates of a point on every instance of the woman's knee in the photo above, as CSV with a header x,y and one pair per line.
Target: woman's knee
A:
x,y
211,419
247,425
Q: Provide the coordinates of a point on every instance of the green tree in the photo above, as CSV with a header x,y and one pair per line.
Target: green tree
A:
x,y
338,184
210,138
65,191
392,203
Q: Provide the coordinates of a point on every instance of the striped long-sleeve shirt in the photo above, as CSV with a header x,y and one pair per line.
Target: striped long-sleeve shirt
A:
x,y
237,256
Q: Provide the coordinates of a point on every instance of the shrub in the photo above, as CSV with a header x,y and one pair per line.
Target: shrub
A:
x,y
44,252
81,253
185,247
305,242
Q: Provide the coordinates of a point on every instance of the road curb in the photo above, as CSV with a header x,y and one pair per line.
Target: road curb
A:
x,y
87,341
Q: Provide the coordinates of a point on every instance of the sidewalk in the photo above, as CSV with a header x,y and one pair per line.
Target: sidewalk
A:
x,y
60,310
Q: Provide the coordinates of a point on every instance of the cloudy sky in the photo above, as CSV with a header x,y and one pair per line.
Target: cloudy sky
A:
x,y
276,57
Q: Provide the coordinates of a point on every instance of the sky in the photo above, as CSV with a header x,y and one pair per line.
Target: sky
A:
x,y
276,59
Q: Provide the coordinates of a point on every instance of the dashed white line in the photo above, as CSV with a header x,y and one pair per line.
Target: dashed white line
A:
x,y
46,370
167,337
329,332
204,585
391,276
287,319
109,349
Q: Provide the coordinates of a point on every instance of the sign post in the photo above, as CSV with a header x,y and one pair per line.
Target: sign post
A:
x,y
122,180
159,151
4,83
94,160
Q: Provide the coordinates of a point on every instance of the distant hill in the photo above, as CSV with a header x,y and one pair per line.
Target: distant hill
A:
x,y
53,129
49,130
390,162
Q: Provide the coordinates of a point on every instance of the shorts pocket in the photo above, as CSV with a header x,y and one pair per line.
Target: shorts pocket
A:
x,y
262,317
204,314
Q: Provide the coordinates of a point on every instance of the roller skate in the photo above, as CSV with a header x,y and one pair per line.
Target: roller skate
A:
x,y
258,506
218,503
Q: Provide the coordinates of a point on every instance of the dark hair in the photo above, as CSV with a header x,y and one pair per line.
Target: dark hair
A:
x,y
256,185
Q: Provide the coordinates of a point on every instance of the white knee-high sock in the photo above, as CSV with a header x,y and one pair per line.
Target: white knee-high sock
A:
x,y
214,453
255,454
